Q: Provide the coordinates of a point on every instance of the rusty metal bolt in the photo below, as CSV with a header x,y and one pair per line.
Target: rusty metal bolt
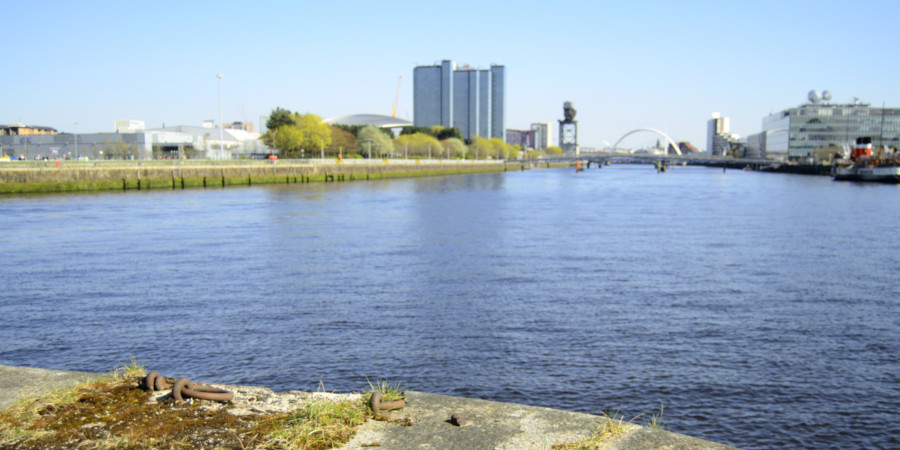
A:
x,y
377,404
458,420
184,388
154,382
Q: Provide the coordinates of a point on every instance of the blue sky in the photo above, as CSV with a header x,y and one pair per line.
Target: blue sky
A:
x,y
624,65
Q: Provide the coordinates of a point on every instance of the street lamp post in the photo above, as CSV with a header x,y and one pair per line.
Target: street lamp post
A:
x,y
221,132
76,141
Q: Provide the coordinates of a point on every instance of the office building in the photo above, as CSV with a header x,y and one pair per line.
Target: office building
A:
x,y
525,138
719,139
543,131
797,132
471,100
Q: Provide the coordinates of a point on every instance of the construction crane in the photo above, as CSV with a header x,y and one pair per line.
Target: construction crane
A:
x,y
397,98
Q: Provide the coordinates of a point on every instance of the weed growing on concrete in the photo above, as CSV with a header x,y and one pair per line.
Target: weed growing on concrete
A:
x,y
131,370
389,392
319,424
610,426
657,422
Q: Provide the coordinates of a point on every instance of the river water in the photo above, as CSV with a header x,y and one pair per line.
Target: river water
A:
x,y
758,310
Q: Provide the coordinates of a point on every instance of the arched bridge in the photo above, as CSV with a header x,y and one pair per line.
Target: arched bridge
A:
x,y
652,130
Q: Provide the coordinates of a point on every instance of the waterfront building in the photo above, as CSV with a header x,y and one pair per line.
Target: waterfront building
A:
x,y
168,142
687,148
719,139
755,147
543,131
525,138
471,100
797,132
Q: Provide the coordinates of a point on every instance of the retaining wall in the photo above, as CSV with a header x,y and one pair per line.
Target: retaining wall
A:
x,y
47,176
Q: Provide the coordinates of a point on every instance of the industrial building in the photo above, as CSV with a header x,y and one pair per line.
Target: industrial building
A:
x,y
131,142
468,99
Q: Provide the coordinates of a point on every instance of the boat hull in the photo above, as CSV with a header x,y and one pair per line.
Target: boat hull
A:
x,y
887,174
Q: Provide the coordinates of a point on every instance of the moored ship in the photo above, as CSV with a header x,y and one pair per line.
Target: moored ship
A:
x,y
863,166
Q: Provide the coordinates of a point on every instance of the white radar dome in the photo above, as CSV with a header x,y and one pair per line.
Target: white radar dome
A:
x,y
826,95
814,96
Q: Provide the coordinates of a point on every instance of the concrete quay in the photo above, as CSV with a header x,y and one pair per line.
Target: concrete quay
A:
x,y
488,424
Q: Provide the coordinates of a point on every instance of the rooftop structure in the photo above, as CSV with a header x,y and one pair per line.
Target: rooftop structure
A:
x,y
376,120
18,129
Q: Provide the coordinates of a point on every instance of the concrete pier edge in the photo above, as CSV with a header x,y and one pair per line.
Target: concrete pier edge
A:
x,y
490,424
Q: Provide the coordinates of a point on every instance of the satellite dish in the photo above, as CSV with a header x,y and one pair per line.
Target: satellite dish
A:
x,y
826,95
814,96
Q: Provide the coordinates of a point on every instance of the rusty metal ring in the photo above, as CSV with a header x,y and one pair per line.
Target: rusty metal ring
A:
x,y
184,388
155,382
377,404
179,385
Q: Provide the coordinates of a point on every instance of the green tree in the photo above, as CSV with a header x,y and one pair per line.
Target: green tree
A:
x,y
437,131
514,151
287,140
370,137
501,149
342,141
279,118
447,133
316,134
553,150
419,144
481,148
457,147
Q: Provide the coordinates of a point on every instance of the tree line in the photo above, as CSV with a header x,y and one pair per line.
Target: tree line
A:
x,y
295,135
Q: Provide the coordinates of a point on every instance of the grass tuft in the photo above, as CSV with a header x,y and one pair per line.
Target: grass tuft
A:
x,y
657,422
389,392
319,424
611,425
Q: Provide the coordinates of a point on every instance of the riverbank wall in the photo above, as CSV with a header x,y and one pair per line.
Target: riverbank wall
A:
x,y
70,176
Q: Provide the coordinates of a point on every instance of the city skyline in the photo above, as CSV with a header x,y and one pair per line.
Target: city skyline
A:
x,y
623,66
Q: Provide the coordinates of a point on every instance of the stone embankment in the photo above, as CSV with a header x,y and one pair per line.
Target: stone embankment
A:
x,y
434,421
50,176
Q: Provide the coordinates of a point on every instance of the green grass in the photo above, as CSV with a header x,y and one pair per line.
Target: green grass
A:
x,y
319,424
656,422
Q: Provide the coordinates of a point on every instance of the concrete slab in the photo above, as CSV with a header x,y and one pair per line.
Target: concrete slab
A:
x,y
498,425
19,382
488,424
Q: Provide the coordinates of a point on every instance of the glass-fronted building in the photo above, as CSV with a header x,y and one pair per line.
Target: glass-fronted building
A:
x,y
471,100
797,132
